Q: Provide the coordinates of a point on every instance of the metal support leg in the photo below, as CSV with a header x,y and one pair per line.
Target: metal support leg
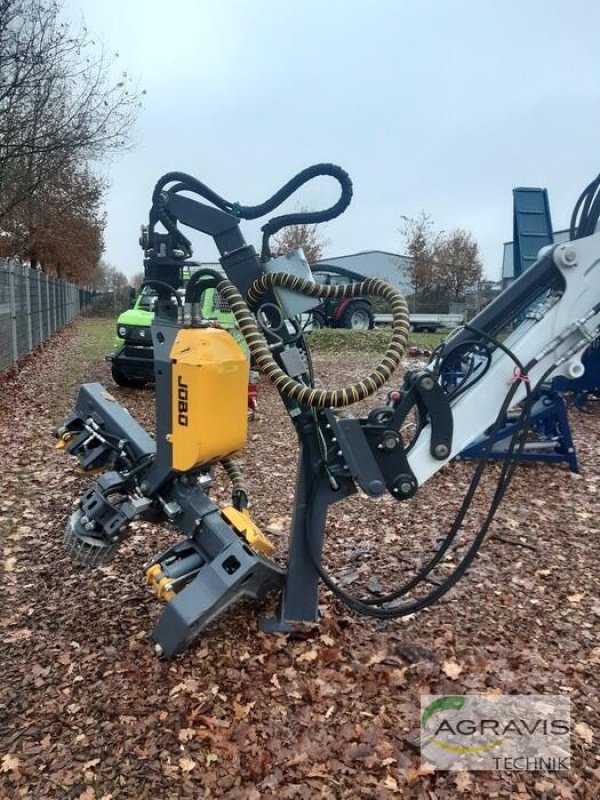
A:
x,y
300,596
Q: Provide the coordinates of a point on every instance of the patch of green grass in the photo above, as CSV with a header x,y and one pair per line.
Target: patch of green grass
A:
x,y
94,338
427,341
334,340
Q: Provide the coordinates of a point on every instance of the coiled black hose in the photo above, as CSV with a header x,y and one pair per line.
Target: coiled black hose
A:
x,y
292,389
185,182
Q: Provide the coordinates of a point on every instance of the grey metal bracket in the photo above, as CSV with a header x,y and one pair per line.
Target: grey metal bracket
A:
x,y
357,453
236,573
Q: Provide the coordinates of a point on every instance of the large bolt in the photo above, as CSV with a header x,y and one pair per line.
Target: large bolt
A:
x,y
406,487
565,256
441,451
389,441
427,383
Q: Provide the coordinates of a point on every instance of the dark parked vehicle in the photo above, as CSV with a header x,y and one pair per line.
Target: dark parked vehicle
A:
x,y
356,314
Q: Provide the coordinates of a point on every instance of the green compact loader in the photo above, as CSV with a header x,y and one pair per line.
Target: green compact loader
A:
x,y
132,363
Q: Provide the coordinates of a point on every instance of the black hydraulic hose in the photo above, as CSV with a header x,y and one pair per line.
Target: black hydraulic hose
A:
x,y
239,491
427,569
189,183
582,222
593,216
366,607
185,182
209,278
159,213
292,389
305,217
163,285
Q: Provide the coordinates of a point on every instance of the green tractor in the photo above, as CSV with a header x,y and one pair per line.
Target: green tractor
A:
x,y
132,363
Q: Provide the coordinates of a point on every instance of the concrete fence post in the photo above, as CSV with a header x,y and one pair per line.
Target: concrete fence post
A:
x,y
13,313
40,306
54,304
48,315
26,279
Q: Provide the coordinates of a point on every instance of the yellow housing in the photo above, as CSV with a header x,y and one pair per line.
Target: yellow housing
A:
x,y
209,397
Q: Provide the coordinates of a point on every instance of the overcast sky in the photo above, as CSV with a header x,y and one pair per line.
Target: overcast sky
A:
x,y
443,106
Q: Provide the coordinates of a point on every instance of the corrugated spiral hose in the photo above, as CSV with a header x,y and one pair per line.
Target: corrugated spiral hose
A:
x,y
292,389
239,491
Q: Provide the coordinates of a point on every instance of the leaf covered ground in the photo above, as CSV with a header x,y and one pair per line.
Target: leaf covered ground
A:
x,y
88,711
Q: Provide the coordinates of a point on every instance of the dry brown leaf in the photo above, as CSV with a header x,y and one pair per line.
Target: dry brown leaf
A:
x,y
419,772
9,763
185,734
575,598
463,781
20,635
595,656
452,669
309,655
317,772
584,732
544,785
187,764
278,524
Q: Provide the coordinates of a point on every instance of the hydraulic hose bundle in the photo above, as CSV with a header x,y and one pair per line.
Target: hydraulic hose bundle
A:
x,y
292,389
187,183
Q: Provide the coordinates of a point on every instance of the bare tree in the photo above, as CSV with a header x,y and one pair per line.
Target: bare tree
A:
x,y
56,99
107,278
457,263
421,241
443,265
308,237
136,280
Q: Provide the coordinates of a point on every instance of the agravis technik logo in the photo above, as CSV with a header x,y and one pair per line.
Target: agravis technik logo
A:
x,y
503,732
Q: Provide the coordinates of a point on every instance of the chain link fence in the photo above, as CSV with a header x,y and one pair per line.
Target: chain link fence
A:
x,y
33,306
